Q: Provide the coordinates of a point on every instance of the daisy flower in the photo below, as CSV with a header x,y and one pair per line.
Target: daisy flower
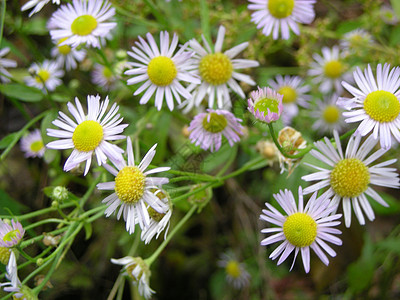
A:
x,y
206,129
12,275
45,76
294,91
138,270
301,228
32,144
89,133
265,104
328,69
328,115
104,77
349,177
11,235
356,39
134,189
5,63
82,22
66,55
218,73
161,70
236,273
281,15
37,4
388,15
158,221
375,103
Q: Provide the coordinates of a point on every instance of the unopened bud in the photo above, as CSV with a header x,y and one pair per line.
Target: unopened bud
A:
x,y
60,193
39,262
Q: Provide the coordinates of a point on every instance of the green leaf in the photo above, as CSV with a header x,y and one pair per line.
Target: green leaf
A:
x,y
21,92
88,230
396,6
390,244
5,141
9,204
348,26
36,26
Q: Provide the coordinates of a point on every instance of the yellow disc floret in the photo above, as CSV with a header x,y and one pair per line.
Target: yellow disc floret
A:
x,y
129,184
280,8
382,106
87,136
350,177
64,49
107,73
331,114
11,235
289,94
4,255
84,25
266,103
216,68
161,70
42,76
214,122
300,229
333,69
232,268
36,146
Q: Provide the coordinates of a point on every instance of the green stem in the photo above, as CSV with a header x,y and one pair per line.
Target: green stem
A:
x,y
3,16
52,220
156,253
195,191
205,21
31,241
246,166
20,133
89,191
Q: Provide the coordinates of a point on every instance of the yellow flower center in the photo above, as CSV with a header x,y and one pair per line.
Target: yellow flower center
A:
x,y
161,70
216,124
64,49
36,146
87,136
4,255
289,94
280,8
107,73
333,69
300,229
42,76
350,177
382,106
129,184
11,236
216,68
331,114
84,25
232,268
266,103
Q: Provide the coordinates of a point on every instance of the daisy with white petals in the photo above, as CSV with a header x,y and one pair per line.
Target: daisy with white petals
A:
x,y
158,221
281,15
356,39
301,228
32,144
349,177
5,63
11,235
104,77
294,91
218,72
37,4
137,270
161,70
236,273
82,22
328,69
328,115
134,189
45,76
206,129
67,56
376,103
89,133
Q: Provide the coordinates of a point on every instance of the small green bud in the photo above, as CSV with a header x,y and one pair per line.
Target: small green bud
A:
x,y
39,262
54,204
121,54
60,194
